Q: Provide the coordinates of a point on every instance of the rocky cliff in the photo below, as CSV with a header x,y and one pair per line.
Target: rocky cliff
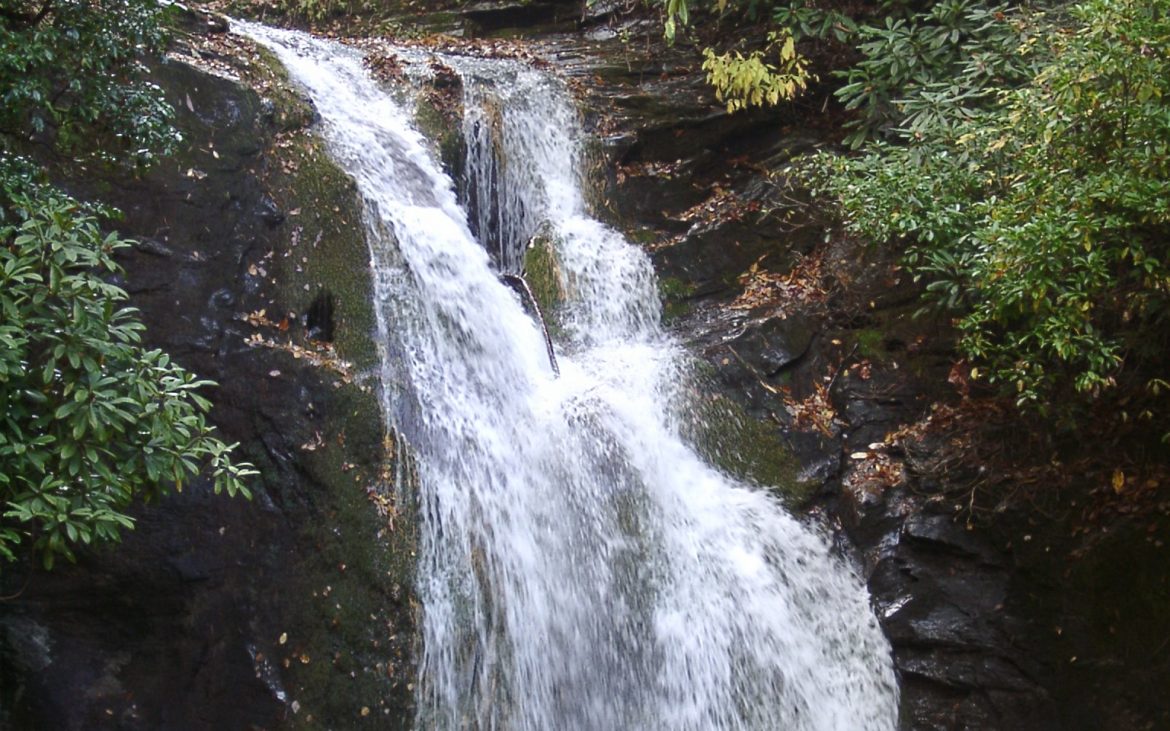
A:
x,y
293,609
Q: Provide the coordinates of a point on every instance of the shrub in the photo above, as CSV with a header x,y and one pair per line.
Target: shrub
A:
x,y
1042,217
90,420
741,82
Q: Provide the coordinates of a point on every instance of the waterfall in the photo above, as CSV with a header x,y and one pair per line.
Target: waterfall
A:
x,y
581,567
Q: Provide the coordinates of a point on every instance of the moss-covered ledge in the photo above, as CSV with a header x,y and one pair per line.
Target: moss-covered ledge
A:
x,y
345,659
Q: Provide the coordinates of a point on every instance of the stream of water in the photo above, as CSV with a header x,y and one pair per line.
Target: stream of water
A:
x,y
581,567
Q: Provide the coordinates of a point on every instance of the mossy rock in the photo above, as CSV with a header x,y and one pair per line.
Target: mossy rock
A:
x,y
542,271
346,643
289,108
346,658
309,616
438,116
744,447
675,295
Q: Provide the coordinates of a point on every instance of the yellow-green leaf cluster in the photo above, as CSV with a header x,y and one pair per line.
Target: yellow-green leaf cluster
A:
x,y
754,80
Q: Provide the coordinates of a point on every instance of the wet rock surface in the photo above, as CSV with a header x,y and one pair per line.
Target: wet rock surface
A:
x,y
978,621
510,18
289,610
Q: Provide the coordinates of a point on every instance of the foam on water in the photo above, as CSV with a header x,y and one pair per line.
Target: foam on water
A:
x,y
581,567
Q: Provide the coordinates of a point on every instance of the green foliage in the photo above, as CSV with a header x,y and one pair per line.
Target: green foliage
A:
x,y
806,21
677,14
70,73
935,67
912,62
753,82
89,419
742,81
1042,216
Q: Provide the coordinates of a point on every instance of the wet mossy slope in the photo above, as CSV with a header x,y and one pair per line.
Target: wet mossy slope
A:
x,y
293,610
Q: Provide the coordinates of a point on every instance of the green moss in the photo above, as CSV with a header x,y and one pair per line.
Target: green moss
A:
x,y
347,647
642,236
544,276
598,167
746,448
675,295
440,119
352,648
350,637
326,250
291,109
870,344
672,288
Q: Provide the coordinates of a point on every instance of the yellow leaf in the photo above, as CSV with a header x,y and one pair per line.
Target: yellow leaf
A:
x,y
1118,481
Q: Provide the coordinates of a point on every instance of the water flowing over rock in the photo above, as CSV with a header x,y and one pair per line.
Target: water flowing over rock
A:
x,y
580,566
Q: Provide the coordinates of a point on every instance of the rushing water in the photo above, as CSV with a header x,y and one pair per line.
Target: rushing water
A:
x,y
581,567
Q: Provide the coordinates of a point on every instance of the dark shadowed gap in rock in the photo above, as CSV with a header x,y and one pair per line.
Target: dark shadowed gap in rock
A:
x,y
319,318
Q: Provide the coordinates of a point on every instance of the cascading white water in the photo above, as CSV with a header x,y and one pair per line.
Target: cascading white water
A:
x,y
580,566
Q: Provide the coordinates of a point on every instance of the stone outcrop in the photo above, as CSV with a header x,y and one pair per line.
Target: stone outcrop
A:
x,y
999,616
292,609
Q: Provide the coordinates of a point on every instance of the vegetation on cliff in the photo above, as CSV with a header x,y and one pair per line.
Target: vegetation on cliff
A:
x,y
1017,155
91,420
1038,213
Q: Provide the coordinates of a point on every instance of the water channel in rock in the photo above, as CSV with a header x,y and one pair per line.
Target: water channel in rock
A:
x,y
580,566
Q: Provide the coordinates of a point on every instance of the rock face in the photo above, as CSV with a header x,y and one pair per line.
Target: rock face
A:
x,y
291,609
992,625
831,387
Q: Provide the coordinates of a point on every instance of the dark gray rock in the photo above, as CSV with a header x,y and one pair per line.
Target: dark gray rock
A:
x,y
217,612
943,532
509,18
157,248
268,212
774,343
